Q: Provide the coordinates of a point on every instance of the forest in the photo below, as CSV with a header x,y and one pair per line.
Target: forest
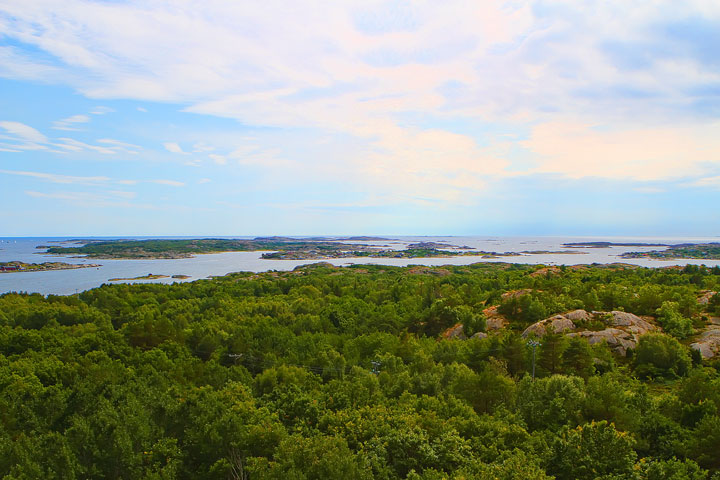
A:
x,y
363,372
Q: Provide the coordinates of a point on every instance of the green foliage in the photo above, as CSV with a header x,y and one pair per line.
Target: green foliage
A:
x,y
550,357
658,355
672,469
342,373
577,358
591,451
672,321
550,403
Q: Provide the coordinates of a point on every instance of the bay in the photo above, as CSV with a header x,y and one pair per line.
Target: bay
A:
x,y
66,282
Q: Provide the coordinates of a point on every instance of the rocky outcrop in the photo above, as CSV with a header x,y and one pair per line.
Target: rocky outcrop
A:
x,y
618,340
578,315
625,328
516,293
545,271
493,319
455,332
633,323
704,299
622,333
709,342
495,323
558,323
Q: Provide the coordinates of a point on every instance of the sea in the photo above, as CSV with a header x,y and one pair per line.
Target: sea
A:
x,y
68,282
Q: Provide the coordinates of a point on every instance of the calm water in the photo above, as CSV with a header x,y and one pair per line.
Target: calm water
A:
x,y
65,282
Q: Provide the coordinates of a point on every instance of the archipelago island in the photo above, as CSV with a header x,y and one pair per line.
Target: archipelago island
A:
x,y
275,248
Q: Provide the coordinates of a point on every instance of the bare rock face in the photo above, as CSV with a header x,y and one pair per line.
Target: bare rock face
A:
x,y
578,315
456,332
493,319
618,340
495,323
559,323
709,342
633,323
546,271
479,335
622,333
705,297
516,293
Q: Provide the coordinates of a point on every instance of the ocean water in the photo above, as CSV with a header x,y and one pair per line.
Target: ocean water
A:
x,y
66,282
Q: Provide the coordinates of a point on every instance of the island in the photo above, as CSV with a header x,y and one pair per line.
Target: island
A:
x,y
186,248
689,251
275,248
149,276
611,244
17,266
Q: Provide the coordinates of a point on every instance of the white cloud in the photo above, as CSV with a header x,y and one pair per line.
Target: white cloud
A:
x,y
16,64
121,146
649,189
651,153
23,137
58,178
416,83
171,183
113,198
101,110
23,132
218,159
202,147
204,180
174,148
82,196
70,123
711,182
76,145
122,194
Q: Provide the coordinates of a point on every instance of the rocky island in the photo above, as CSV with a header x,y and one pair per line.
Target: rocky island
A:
x,y
149,276
276,248
611,244
699,251
16,266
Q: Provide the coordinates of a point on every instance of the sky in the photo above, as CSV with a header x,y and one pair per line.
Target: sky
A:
x,y
220,117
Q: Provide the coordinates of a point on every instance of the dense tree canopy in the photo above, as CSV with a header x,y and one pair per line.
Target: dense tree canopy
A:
x,y
347,373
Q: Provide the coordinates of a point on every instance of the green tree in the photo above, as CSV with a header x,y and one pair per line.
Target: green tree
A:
x,y
310,458
591,451
577,358
659,355
672,321
549,403
551,351
672,469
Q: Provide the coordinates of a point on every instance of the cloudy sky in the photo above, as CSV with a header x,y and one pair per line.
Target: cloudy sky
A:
x,y
220,117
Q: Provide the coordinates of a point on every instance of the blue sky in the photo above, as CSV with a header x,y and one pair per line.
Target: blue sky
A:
x,y
374,117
